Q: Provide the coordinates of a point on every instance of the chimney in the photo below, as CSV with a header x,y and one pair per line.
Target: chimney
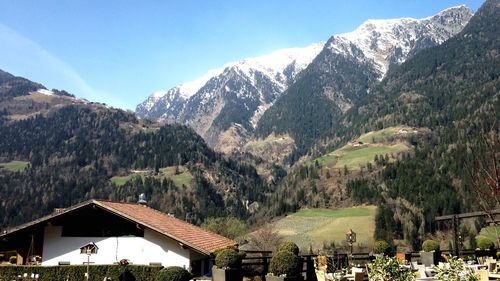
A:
x,y
142,200
59,210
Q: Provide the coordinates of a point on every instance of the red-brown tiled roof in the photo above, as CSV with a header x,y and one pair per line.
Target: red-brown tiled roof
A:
x,y
190,235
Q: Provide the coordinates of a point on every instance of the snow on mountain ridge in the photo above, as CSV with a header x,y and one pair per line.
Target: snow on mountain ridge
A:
x,y
278,60
377,38
188,89
240,92
272,65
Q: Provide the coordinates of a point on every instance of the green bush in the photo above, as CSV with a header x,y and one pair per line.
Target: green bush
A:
x,y
173,273
381,247
485,243
430,245
387,268
228,258
498,255
13,259
76,272
289,247
456,270
284,263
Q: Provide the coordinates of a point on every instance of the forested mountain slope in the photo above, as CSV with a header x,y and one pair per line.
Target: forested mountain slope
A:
x,y
297,92
346,70
452,92
73,149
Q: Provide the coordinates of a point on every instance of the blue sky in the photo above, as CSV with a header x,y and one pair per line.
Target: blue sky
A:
x,y
120,51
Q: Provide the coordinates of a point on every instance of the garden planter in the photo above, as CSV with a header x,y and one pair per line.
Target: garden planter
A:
x,y
429,258
485,253
226,274
276,278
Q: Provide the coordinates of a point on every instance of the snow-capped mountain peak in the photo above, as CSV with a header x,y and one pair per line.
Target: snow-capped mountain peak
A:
x,y
241,92
387,41
188,89
279,68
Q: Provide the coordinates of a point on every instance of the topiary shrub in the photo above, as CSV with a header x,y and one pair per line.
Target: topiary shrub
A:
x,y
381,247
498,255
228,258
430,245
173,273
485,243
289,247
13,259
284,263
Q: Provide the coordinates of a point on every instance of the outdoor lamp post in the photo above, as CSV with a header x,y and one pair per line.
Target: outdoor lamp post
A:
x,y
350,237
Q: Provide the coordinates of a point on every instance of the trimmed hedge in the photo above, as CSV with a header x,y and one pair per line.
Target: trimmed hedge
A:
x,y
430,245
381,247
289,247
284,263
76,272
228,258
173,273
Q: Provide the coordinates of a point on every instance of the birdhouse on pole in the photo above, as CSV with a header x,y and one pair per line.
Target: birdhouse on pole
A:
x,y
89,249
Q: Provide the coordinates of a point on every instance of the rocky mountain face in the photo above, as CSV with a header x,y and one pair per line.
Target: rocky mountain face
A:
x,y
228,105
347,68
231,98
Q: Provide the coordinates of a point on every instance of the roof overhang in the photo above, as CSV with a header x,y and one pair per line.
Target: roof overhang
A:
x,y
96,203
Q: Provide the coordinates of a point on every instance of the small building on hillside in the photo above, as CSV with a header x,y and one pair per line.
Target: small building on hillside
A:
x,y
134,232
355,143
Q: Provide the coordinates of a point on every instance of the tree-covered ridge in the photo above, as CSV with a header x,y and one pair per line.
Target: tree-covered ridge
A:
x,y
73,151
440,85
12,86
453,90
323,91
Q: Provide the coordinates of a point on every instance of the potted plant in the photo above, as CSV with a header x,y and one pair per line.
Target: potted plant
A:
x,y
381,247
227,265
386,268
430,252
284,266
173,273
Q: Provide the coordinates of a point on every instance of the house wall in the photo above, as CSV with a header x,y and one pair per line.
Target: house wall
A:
x,y
152,248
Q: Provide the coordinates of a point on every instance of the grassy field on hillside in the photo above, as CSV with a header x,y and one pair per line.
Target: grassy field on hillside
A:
x,y
489,232
381,135
14,166
121,180
353,157
183,177
313,227
180,177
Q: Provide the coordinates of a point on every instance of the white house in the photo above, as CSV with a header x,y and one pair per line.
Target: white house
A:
x,y
135,232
